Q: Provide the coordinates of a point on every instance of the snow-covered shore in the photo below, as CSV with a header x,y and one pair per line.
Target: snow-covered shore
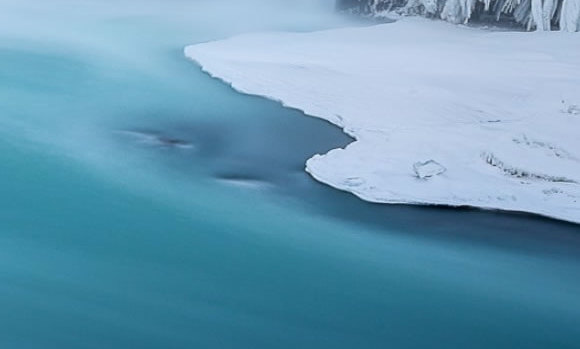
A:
x,y
441,114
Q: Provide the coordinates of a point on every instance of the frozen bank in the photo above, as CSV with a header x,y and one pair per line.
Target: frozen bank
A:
x,y
442,115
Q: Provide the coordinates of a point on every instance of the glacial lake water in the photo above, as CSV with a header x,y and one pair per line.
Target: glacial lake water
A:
x,y
144,204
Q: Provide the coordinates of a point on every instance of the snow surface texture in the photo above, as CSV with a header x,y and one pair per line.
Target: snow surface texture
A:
x,y
538,14
441,114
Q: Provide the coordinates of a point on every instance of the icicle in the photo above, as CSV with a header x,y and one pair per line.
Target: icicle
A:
x,y
522,13
570,16
509,6
547,13
537,15
452,11
430,6
486,5
530,23
555,6
466,9
497,8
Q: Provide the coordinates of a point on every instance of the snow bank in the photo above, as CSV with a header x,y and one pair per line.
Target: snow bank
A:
x,y
441,114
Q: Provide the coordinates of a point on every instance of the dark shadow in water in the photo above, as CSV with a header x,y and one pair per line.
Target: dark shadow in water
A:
x,y
274,148
270,144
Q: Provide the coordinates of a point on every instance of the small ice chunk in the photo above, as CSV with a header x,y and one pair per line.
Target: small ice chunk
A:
x,y
428,169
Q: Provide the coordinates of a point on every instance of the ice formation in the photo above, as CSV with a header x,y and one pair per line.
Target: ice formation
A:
x,y
538,14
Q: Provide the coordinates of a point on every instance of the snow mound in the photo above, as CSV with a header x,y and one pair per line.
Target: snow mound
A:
x,y
441,114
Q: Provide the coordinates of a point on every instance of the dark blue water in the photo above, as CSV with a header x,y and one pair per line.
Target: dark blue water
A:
x,y
146,205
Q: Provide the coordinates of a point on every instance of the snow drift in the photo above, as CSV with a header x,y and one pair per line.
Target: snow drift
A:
x,y
441,114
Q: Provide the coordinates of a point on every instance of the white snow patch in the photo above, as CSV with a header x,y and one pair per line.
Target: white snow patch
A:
x,y
485,106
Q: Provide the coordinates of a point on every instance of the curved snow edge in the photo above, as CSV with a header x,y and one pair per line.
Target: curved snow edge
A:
x,y
231,71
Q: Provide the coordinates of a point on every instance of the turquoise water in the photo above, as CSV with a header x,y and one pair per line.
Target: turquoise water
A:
x,y
112,238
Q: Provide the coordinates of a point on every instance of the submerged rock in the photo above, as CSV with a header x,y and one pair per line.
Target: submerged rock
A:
x,y
156,139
